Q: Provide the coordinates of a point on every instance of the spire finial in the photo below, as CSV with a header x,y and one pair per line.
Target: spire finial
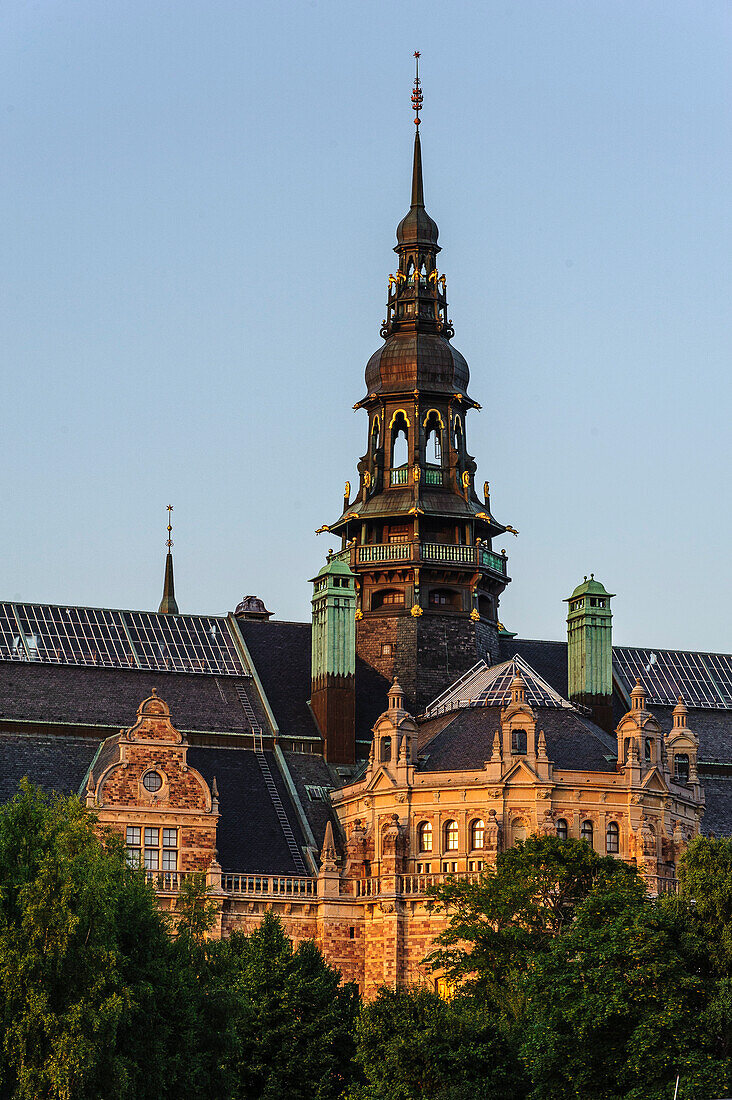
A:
x,y
417,90
168,605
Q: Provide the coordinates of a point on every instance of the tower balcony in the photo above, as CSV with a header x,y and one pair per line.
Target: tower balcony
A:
x,y
437,553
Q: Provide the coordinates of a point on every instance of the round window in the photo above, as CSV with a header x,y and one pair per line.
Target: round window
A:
x,y
152,781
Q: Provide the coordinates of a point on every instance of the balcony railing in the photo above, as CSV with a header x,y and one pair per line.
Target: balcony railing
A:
x,y
496,562
432,476
385,551
269,885
168,882
451,552
367,887
399,476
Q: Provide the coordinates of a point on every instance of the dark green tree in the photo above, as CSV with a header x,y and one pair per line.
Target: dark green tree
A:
x,y
616,1008
498,924
292,1018
412,1045
89,997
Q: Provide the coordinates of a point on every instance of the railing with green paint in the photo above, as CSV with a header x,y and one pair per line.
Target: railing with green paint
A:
x,y
399,476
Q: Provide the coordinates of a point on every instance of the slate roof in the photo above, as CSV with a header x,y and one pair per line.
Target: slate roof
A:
x,y
466,741
249,835
549,659
717,818
55,763
281,655
109,697
308,769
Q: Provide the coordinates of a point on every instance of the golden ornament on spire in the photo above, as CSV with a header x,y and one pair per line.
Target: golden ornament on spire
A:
x,y
169,543
417,90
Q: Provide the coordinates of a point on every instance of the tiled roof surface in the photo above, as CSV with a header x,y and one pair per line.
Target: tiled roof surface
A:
x,y
548,658
717,818
55,763
281,654
249,837
466,742
110,697
310,770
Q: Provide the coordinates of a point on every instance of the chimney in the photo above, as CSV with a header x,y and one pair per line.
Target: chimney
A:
x,y
590,651
333,667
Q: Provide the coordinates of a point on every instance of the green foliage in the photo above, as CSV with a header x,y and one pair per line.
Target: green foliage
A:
x,y
500,922
293,1021
414,1046
616,1007
84,987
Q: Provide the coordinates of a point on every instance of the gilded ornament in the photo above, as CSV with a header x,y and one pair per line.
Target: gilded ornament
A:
x,y
367,479
466,479
416,611
359,614
475,615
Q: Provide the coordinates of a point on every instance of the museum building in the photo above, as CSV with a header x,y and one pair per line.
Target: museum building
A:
x,y
332,771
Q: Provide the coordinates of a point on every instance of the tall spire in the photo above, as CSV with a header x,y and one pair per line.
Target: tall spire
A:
x,y
417,228
168,605
417,187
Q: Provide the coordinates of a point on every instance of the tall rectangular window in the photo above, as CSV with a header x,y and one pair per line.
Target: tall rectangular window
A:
x,y
152,849
132,840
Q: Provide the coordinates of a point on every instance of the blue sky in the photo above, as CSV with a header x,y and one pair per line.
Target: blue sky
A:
x,y
199,208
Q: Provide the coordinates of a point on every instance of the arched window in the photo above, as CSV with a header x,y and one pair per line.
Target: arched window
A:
x,y
612,838
457,434
385,749
586,832
518,741
562,829
626,749
424,836
433,439
452,836
681,767
477,834
387,597
649,750
399,441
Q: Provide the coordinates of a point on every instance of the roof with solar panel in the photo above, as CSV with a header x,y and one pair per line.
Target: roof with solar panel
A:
x,y
490,686
704,680
107,638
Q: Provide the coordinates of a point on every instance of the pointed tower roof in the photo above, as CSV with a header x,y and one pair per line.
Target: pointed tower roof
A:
x,y
168,605
417,227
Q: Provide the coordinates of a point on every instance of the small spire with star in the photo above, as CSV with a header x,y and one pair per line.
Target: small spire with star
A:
x,y
168,605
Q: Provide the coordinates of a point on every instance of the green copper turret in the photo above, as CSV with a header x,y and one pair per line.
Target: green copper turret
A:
x,y
333,674
590,649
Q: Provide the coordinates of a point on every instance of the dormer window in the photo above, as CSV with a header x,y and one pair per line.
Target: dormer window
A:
x,y
518,742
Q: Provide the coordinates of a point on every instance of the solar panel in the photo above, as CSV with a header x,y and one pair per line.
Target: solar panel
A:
x,y
702,679
183,643
118,639
490,686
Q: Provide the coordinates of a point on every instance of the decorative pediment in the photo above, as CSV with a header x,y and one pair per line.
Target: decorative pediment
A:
x,y
520,772
381,781
154,723
655,783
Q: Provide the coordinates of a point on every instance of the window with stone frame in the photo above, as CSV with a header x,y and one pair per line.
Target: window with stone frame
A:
x,y
159,852
477,834
587,832
452,836
612,838
562,829
424,836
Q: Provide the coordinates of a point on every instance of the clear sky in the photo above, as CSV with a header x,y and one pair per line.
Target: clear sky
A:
x,y
199,204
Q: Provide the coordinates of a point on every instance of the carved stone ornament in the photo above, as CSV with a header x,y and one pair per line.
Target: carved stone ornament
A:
x,y
386,906
401,796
